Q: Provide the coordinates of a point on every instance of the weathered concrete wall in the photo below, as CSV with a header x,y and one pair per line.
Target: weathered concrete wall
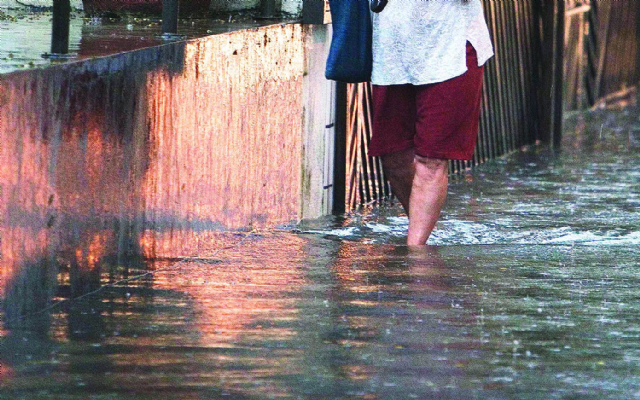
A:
x,y
319,127
145,153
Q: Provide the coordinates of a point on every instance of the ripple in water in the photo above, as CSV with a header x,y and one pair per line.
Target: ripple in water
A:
x,y
457,232
587,195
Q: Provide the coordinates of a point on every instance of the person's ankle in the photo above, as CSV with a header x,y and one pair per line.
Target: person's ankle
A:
x,y
416,242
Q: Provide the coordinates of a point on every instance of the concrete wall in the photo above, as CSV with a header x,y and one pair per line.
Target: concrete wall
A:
x,y
319,128
149,153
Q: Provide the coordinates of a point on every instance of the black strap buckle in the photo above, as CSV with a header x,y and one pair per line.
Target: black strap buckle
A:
x,y
378,5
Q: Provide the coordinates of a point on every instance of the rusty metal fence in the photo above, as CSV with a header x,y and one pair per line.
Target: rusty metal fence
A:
x,y
613,47
577,46
601,43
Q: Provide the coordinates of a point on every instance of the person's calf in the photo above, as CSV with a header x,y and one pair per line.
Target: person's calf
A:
x,y
428,194
399,170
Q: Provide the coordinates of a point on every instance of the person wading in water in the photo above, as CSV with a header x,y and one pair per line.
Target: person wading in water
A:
x,y
428,58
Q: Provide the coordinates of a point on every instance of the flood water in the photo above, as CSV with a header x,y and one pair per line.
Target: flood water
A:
x,y
531,293
587,193
25,35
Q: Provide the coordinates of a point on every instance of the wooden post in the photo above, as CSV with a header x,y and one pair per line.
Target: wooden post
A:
x,y
170,17
636,75
551,14
267,8
313,11
546,68
60,27
558,79
340,150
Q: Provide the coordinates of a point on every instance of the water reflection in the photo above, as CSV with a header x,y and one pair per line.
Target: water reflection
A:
x,y
279,315
101,174
253,320
366,328
243,293
99,185
202,312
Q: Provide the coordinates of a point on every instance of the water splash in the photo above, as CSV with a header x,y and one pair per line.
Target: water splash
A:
x,y
587,194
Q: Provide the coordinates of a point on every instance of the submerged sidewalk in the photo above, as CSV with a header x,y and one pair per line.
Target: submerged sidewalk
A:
x,y
531,294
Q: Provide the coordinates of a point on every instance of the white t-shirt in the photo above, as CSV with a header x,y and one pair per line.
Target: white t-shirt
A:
x,y
424,41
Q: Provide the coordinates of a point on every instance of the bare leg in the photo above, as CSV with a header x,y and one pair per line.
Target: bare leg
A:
x,y
428,194
399,168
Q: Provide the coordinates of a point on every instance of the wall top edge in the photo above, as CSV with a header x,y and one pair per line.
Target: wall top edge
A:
x,y
90,43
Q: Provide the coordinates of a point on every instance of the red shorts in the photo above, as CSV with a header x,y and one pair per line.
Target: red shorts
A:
x,y
439,120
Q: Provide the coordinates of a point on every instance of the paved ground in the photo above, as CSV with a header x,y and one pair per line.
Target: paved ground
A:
x,y
531,293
